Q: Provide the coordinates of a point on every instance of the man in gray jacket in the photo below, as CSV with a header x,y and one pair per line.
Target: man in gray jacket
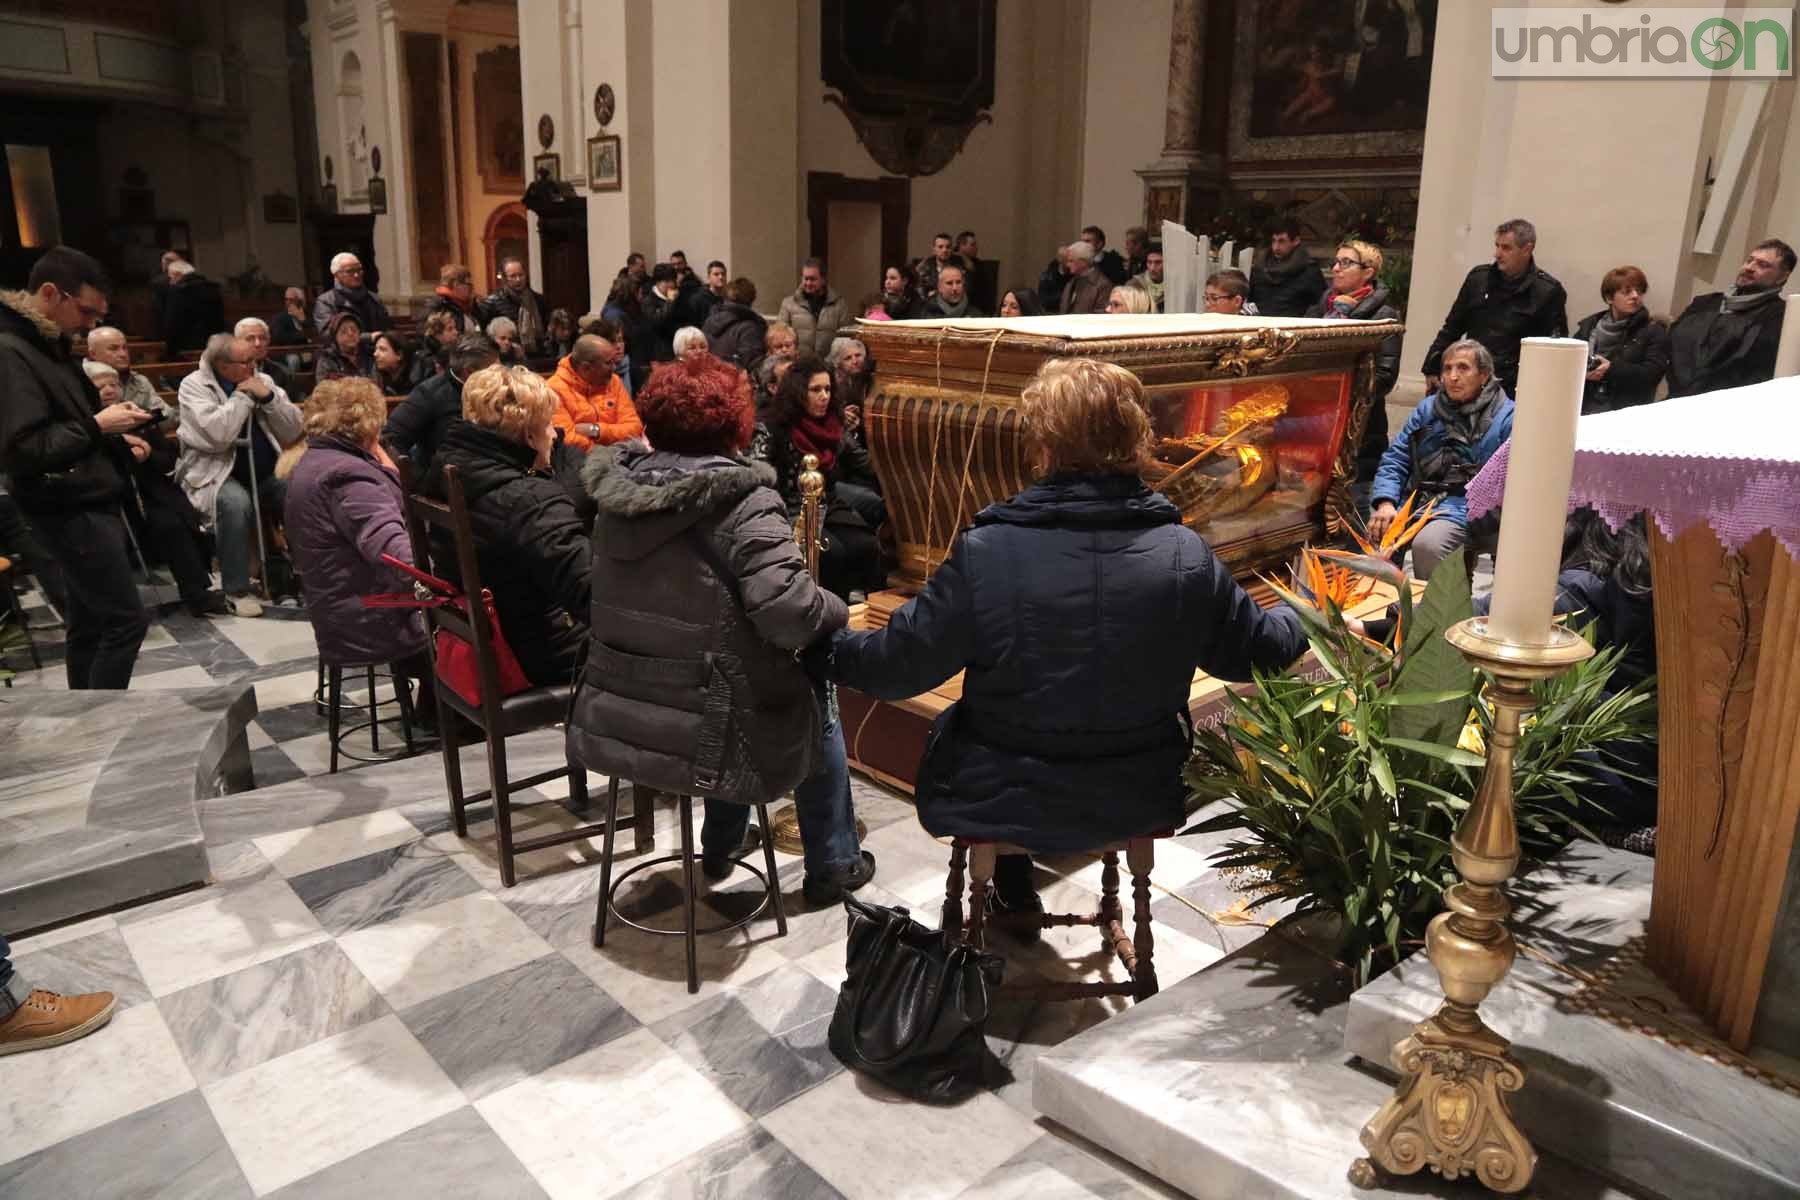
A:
x,y
218,402
815,311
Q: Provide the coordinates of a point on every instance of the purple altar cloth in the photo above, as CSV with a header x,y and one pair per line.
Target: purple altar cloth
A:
x,y
1728,459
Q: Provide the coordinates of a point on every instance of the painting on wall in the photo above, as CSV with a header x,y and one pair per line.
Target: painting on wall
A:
x,y
606,170
913,77
1327,67
499,131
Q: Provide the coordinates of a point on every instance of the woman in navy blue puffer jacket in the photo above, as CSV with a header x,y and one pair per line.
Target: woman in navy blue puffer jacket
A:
x,y
1079,610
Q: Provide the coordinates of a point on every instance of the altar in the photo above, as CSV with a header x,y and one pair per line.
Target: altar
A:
x,y
1719,477
1255,424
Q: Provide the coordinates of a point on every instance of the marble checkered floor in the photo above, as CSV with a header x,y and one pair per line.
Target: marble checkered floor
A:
x,y
276,652
355,1007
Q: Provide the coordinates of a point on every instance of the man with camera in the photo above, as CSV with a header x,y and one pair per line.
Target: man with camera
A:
x,y
67,458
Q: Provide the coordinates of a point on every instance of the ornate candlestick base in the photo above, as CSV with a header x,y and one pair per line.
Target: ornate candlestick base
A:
x,y
1449,1110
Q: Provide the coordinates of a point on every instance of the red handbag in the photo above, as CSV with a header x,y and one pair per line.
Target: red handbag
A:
x,y
457,665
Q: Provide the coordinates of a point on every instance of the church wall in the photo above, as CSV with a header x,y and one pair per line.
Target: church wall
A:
x,y
344,103
1127,89
477,200
765,165
1610,172
1015,182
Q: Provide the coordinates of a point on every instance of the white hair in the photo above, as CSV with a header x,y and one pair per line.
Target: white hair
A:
x,y
105,331
1080,250
249,323
342,259
841,346
97,369
179,268
688,335
500,325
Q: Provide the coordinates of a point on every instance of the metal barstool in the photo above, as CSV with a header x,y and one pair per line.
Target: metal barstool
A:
x,y
609,886
334,698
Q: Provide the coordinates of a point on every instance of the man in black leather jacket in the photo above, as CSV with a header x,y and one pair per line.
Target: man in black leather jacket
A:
x,y
68,458
1501,303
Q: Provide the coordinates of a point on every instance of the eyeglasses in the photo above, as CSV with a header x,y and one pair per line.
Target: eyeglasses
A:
x,y
1215,297
1348,262
86,310
350,271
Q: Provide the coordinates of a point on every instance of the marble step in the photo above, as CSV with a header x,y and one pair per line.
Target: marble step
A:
x,y
1235,1085
99,802
1627,1104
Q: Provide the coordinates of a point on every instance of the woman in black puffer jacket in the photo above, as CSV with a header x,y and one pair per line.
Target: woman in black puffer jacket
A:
x,y
1078,611
700,601
1629,349
529,540
735,330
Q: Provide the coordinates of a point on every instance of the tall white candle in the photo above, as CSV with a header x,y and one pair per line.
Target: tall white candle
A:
x,y
1539,471
1787,355
1202,268
1246,259
1225,255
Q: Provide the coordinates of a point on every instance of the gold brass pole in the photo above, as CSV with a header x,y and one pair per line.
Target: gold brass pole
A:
x,y
809,534
1449,1111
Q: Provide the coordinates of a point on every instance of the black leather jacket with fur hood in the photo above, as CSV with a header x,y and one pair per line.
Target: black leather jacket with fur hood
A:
x,y
692,684
50,443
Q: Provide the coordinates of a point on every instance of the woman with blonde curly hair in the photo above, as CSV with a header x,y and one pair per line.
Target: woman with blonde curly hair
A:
x,y
529,539
343,514
1078,611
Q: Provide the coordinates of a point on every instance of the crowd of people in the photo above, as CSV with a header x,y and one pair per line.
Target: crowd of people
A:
x,y
633,476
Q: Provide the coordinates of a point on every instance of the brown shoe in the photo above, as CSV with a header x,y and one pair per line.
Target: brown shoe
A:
x,y
47,1019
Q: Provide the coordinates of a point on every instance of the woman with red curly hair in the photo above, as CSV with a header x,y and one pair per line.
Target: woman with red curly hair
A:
x,y
700,600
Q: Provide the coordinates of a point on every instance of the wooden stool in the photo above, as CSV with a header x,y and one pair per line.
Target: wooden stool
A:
x,y
1135,954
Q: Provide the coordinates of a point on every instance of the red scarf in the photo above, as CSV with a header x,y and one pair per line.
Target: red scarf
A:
x,y
467,308
1344,303
820,436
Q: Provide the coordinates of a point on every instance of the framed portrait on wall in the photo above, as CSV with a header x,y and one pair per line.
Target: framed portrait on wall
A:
x,y
377,194
551,163
606,163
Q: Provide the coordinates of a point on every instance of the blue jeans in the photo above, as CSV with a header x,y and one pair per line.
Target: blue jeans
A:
x,y
236,525
822,802
13,990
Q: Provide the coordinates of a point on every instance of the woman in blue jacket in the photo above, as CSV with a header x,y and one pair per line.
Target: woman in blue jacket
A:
x,y
1078,610
1442,446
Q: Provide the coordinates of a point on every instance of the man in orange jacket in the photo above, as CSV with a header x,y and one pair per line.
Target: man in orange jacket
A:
x,y
595,409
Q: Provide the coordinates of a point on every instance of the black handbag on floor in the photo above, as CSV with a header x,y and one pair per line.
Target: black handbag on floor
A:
x,y
912,1011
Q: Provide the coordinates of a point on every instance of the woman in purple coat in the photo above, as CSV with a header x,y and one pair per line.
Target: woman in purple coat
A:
x,y
343,513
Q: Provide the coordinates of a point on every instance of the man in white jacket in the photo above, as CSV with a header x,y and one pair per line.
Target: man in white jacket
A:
x,y
218,402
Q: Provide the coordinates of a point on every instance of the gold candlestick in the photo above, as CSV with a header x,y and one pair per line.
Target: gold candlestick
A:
x,y
1449,1111
809,535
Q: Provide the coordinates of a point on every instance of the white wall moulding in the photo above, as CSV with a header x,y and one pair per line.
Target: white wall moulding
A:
x,y
33,49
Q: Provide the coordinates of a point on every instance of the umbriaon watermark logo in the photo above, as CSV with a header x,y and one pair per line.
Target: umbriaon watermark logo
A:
x,y
1635,43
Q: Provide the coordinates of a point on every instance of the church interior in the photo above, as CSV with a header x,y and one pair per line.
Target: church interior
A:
x,y
1416,676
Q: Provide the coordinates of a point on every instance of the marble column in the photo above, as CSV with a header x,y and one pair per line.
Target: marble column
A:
x,y
1191,158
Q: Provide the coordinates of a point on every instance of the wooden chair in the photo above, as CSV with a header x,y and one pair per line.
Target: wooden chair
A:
x,y
496,716
1135,954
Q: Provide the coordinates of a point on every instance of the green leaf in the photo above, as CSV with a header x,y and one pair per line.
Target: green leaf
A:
x,y
1449,754
1433,664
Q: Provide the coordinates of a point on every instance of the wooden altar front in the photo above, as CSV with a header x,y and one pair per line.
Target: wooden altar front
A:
x,y
1256,420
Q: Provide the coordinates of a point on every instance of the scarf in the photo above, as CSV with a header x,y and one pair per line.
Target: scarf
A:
x,y
531,325
467,308
1465,424
952,311
820,436
1279,269
1737,300
1339,307
1608,334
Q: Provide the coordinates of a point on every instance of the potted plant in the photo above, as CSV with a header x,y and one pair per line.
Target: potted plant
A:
x,y
1342,790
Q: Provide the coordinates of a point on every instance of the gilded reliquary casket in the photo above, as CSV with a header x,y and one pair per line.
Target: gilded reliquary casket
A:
x,y
1256,421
